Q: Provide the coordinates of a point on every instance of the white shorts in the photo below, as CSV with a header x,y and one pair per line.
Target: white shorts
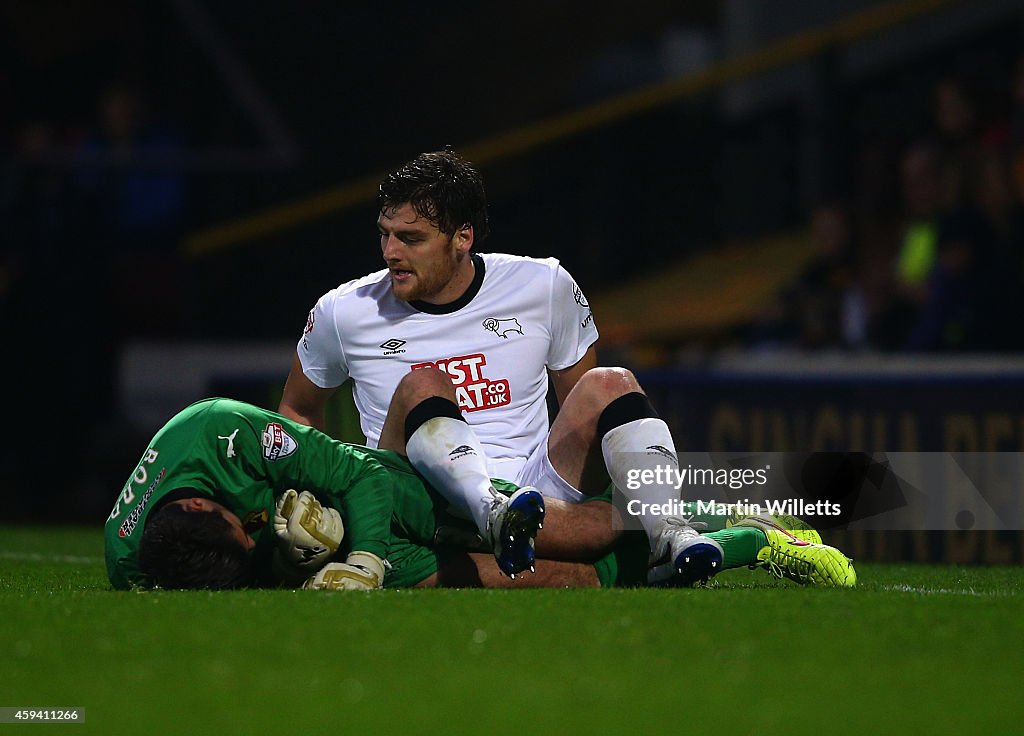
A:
x,y
539,473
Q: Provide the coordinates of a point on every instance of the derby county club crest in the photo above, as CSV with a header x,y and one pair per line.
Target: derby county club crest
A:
x,y
502,327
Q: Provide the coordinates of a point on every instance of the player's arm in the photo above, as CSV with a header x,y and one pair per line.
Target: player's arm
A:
x,y
288,455
565,379
571,352
310,533
366,502
351,481
318,366
362,490
303,401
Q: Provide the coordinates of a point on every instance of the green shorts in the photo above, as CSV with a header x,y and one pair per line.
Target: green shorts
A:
x,y
410,563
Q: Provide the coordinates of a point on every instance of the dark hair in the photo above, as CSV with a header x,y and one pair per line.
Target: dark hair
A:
x,y
192,549
441,187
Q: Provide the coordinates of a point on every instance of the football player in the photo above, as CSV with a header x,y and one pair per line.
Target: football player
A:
x,y
450,353
211,505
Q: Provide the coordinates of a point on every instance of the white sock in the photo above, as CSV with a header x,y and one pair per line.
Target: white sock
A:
x,y
643,444
449,455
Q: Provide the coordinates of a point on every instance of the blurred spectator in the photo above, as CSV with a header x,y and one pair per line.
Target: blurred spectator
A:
x,y
956,234
824,307
135,200
999,300
144,203
952,313
923,197
827,300
957,143
900,293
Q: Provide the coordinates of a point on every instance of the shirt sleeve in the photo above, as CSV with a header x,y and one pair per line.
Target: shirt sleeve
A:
x,y
320,350
572,323
292,455
362,491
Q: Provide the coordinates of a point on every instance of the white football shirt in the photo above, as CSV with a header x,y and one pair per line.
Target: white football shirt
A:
x,y
528,315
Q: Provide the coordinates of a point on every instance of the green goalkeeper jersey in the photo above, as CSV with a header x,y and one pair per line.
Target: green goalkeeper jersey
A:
x,y
244,457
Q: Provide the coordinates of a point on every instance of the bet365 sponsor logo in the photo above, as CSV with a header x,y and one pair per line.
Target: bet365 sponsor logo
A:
x,y
472,389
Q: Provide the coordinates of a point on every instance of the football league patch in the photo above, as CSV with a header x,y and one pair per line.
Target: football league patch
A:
x,y
277,443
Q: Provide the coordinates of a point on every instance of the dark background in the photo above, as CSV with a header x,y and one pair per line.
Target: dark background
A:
x,y
127,130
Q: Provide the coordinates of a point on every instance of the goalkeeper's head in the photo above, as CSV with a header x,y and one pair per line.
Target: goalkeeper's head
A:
x,y
195,542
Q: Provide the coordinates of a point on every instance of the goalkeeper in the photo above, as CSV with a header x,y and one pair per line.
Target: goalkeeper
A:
x,y
211,505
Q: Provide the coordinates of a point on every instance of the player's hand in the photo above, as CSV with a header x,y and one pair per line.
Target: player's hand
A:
x,y
307,533
360,571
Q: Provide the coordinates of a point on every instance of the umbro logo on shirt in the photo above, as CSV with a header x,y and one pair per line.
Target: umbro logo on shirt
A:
x,y
392,346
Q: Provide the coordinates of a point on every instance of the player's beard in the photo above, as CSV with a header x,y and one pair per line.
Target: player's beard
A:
x,y
429,280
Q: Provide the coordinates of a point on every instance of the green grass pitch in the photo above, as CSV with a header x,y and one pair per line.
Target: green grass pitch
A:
x,y
916,648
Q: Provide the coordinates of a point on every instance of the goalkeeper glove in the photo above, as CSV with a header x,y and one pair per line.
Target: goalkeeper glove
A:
x,y
307,533
359,571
